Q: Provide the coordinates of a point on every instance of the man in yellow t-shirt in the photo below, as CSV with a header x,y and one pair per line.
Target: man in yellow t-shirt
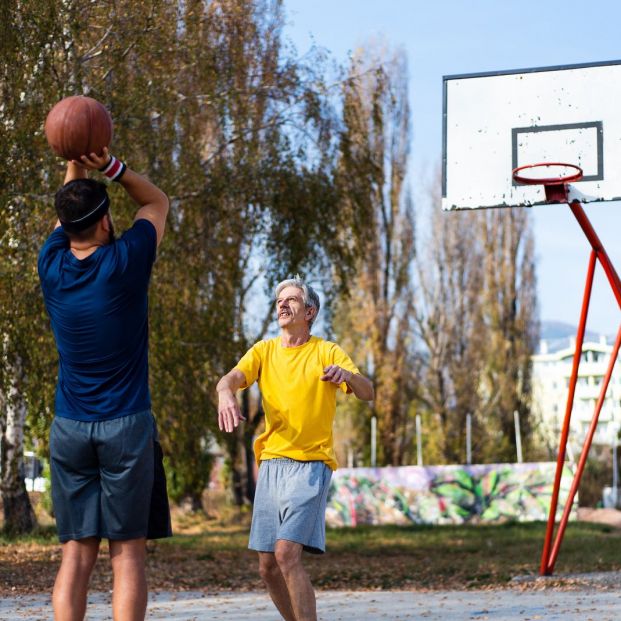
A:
x,y
298,375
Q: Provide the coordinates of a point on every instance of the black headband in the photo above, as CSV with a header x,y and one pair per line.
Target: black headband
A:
x,y
83,222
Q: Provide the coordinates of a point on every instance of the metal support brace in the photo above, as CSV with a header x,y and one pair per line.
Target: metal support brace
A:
x,y
598,253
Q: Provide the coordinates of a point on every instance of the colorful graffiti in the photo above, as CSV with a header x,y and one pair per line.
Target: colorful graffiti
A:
x,y
444,494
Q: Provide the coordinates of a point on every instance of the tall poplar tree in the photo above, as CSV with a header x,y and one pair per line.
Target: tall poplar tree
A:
x,y
373,320
477,321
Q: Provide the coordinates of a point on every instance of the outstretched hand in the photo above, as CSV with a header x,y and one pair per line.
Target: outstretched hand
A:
x,y
335,374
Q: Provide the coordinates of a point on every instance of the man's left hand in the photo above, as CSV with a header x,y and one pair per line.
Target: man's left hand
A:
x,y
335,374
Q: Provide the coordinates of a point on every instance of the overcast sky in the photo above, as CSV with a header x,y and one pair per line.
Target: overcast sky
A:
x,y
448,37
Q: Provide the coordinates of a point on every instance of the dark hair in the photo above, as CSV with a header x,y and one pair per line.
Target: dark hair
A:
x,y
80,204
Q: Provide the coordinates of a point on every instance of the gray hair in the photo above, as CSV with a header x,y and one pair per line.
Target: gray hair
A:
x,y
309,295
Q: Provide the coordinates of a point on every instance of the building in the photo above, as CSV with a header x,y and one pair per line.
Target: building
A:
x,y
552,367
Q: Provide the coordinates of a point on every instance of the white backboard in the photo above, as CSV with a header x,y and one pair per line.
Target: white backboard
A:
x,y
495,122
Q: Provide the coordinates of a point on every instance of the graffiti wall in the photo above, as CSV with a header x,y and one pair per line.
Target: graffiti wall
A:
x,y
444,494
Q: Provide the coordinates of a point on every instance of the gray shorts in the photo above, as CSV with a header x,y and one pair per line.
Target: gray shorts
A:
x,y
108,479
290,503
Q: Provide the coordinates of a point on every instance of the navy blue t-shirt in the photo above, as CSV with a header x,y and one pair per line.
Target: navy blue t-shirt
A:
x,y
98,311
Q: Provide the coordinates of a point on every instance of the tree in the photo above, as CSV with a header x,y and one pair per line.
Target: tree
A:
x,y
18,514
27,28
374,320
208,102
477,321
261,197
510,312
450,327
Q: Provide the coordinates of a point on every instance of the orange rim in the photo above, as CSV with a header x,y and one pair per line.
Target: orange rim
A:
x,y
520,178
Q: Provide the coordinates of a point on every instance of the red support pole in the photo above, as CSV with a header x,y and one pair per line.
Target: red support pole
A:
x,y
583,456
548,557
560,461
596,244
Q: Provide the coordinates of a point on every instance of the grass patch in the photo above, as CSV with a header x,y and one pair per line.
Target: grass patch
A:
x,y
41,535
210,555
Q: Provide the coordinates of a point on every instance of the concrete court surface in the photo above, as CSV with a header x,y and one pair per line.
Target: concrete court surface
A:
x,y
583,604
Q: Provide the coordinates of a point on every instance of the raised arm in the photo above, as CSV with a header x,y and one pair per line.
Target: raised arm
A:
x,y
75,171
152,203
229,413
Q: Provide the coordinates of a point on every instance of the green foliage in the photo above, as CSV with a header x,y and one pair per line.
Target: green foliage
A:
x,y
209,104
266,179
42,535
46,496
183,481
597,475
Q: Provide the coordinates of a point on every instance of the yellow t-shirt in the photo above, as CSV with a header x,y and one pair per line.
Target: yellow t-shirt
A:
x,y
299,407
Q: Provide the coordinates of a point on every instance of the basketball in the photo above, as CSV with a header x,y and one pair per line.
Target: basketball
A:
x,y
78,126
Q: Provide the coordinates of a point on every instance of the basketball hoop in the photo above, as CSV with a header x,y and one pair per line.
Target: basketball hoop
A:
x,y
493,123
554,176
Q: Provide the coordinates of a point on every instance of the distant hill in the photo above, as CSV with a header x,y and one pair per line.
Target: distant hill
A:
x,y
552,330
557,335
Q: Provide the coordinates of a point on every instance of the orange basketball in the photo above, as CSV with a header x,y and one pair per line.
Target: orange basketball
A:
x,y
78,126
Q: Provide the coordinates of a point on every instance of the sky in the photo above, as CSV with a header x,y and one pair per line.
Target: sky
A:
x,y
449,37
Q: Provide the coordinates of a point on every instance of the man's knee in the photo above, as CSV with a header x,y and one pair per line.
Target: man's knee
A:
x,y
133,551
81,553
268,567
288,556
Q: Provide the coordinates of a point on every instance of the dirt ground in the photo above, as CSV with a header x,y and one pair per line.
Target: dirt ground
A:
x,y
585,604
581,597
612,517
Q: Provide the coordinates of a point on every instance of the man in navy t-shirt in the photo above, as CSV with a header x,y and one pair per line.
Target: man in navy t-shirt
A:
x,y
106,463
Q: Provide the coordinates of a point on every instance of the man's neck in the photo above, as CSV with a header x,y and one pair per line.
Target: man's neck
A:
x,y
294,338
82,249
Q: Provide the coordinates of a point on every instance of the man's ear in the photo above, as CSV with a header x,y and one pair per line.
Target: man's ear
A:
x,y
105,222
313,312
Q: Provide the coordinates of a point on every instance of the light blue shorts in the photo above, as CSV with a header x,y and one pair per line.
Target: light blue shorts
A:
x,y
290,503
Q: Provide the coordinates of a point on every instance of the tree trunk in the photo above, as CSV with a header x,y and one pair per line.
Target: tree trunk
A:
x,y
18,514
238,486
233,443
192,502
250,429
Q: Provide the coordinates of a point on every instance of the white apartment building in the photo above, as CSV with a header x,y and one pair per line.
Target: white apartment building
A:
x,y
551,373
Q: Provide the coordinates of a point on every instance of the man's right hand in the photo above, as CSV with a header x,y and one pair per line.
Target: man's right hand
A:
x,y
92,161
229,413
